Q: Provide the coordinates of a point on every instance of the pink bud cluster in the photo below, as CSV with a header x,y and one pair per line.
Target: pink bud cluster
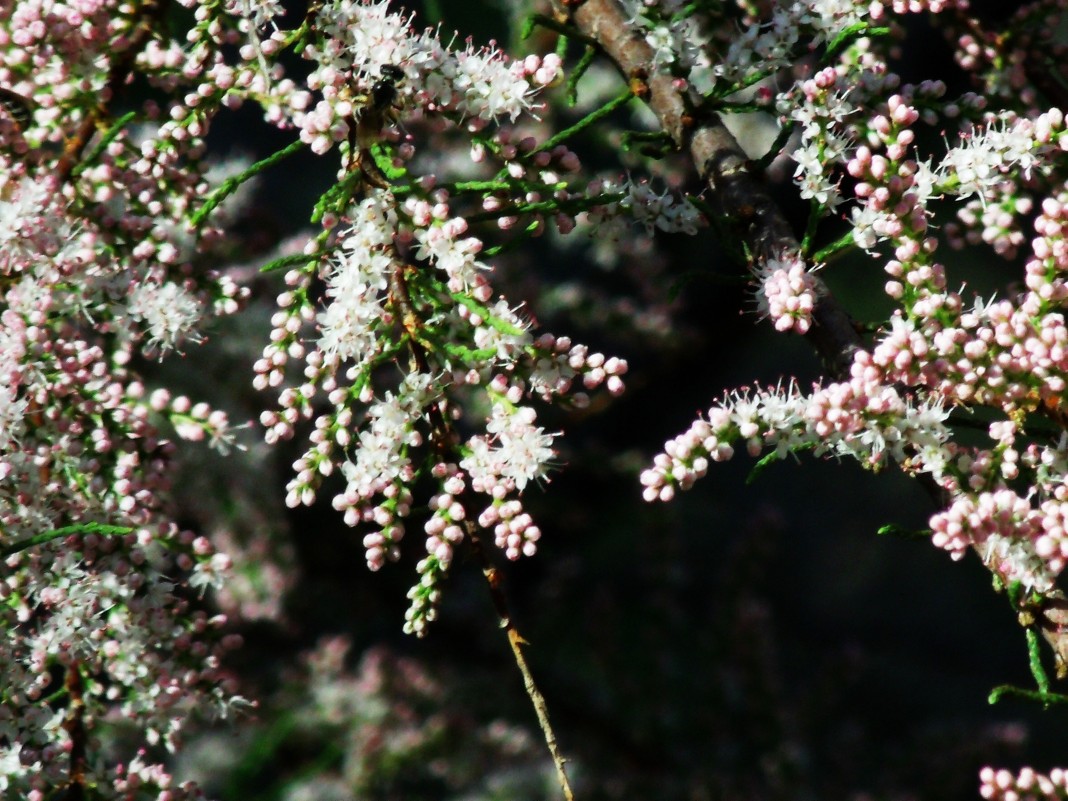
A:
x,y
894,190
859,418
1026,785
1007,500
787,294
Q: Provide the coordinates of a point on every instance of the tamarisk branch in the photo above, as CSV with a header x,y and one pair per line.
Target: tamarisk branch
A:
x,y
742,199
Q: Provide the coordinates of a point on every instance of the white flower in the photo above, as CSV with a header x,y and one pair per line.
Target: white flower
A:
x,y
979,164
452,253
506,332
522,450
834,16
378,463
168,311
257,12
356,293
491,86
661,211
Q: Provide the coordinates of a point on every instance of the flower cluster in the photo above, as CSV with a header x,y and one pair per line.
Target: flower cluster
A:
x,y
859,418
1008,354
419,387
362,41
403,282
822,116
688,48
98,611
376,304
787,294
106,627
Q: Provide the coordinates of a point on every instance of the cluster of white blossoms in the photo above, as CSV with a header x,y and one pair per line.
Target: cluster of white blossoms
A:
x,y
759,50
823,115
1004,146
361,43
394,316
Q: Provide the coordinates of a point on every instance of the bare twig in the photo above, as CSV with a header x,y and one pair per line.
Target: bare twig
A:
x,y
516,642
74,724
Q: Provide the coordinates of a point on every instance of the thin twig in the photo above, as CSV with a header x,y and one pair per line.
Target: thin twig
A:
x,y
516,641
442,441
74,725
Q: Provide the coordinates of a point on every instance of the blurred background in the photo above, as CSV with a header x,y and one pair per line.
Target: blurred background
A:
x,y
750,640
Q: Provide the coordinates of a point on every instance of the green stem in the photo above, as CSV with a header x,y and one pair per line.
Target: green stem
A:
x,y
856,31
621,99
825,253
814,215
1034,653
1046,699
781,139
573,79
108,137
231,185
102,529
287,261
559,27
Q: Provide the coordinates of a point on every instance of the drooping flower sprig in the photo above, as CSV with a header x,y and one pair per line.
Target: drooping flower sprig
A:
x,y
379,307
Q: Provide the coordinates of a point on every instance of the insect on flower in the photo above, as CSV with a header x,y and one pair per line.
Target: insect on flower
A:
x,y
379,109
17,109
384,91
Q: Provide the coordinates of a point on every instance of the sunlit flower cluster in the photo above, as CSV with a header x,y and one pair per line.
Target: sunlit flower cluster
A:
x,y
404,282
362,41
865,420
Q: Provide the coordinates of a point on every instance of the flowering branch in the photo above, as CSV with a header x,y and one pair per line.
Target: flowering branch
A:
x,y
442,441
394,354
100,529
721,163
754,215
